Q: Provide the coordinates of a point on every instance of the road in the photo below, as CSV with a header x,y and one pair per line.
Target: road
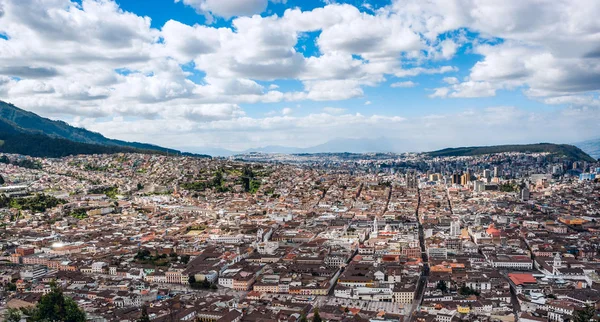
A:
x,y
425,273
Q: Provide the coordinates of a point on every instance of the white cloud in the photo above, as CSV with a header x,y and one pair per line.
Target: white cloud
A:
x,y
334,110
450,80
407,84
492,125
286,111
94,60
227,8
440,92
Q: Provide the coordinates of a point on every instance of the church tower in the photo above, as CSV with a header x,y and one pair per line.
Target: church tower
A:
x,y
375,227
557,264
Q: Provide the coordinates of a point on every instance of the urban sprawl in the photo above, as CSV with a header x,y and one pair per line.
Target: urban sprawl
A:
x,y
333,237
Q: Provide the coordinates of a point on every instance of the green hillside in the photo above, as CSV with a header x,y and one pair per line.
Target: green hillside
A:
x,y
569,151
27,133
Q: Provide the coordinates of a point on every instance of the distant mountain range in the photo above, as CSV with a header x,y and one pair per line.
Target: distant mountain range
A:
x,y
338,145
570,151
27,133
387,145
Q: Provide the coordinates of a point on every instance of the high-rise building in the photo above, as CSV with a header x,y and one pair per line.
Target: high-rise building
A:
x,y
479,186
465,179
411,181
496,172
455,228
487,173
524,194
456,178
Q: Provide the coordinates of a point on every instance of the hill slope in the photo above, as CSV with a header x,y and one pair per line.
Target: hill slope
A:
x,y
28,122
570,151
27,133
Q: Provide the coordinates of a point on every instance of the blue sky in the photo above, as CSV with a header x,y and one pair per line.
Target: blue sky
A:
x,y
238,74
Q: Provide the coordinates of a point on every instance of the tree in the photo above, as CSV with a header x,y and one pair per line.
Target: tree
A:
x,y
54,306
316,316
441,285
1,180
586,314
184,259
4,159
303,318
144,317
12,315
465,290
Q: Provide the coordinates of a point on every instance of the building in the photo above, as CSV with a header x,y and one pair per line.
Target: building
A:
x,y
465,179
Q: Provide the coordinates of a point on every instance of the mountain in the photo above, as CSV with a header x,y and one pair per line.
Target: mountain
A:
x,y
337,145
27,133
570,151
591,147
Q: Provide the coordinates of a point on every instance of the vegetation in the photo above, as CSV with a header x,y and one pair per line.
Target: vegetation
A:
x,y
29,134
54,306
144,256
194,186
144,317
509,187
217,183
316,316
37,203
465,290
79,213
28,164
12,315
201,285
92,167
587,314
568,151
441,285
110,192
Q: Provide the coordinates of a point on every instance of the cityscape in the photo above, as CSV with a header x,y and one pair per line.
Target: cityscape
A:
x,y
380,237
299,160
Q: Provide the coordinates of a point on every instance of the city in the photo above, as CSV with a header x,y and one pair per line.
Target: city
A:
x,y
299,160
186,238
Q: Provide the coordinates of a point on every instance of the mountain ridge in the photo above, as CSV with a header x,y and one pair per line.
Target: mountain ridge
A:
x,y
27,133
567,150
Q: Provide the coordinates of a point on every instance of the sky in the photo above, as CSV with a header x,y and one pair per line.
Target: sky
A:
x,y
238,74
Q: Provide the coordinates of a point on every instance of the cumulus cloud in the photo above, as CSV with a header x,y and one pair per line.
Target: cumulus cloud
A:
x,y
92,59
227,8
492,125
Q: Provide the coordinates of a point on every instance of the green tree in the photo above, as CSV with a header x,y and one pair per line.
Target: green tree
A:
x,y
1,179
184,259
441,285
144,317
586,314
12,315
465,290
11,287
303,318
316,316
4,159
54,306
